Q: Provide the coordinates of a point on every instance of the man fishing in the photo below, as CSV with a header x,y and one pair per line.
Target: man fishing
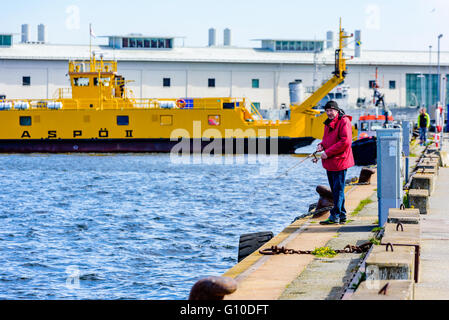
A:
x,y
336,157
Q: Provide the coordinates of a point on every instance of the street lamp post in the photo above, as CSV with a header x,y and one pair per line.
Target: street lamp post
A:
x,y
429,85
438,69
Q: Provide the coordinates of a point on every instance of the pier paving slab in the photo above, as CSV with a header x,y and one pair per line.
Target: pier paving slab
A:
x,y
407,216
397,290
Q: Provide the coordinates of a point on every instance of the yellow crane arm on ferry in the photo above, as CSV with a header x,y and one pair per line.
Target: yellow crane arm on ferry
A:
x,y
306,107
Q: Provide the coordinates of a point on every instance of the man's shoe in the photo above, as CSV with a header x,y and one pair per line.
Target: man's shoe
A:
x,y
343,221
328,221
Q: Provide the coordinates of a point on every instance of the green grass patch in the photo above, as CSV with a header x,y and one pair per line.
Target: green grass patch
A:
x,y
361,205
405,200
324,252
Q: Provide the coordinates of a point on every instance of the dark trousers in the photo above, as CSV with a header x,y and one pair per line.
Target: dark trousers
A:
x,y
337,185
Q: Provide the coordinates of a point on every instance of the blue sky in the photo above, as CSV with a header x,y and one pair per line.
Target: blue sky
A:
x,y
391,25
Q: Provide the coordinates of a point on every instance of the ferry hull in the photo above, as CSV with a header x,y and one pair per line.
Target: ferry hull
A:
x,y
224,146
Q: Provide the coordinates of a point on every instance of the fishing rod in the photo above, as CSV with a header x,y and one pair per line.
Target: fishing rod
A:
x,y
314,160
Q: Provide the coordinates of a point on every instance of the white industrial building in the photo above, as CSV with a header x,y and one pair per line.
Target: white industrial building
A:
x,y
160,69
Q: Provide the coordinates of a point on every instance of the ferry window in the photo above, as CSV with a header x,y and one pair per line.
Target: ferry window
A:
x,y
166,82
25,121
166,120
228,105
392,84
104,81
372,84
125,42
139,43
153,43
376,125
214,120
132,43
278,45
26,81
122,120
211,82
255,83
81,82
364,126
161,43
146,43
257,105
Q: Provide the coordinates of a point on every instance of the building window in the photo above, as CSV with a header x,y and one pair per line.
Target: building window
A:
x,y
392,84
122,120
211,82
416,85
168,43
372,84
5,40
26,81
25,121
255,83
166,82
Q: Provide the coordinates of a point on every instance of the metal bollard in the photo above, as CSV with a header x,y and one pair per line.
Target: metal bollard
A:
x,y
389,180
212,288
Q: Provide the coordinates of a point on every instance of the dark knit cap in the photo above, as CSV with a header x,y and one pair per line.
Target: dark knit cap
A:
x,y
331,104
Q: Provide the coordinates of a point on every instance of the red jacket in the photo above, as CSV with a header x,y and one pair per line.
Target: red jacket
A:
x,y
337,143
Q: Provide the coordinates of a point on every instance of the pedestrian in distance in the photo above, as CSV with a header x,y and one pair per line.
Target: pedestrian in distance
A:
x,y
423,124
336,157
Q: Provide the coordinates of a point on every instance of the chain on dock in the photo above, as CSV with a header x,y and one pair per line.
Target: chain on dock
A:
x,y
273,250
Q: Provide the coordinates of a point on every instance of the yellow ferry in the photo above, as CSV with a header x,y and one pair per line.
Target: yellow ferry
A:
x,y
99,114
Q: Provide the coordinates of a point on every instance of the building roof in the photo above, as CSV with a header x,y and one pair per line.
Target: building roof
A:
x,y
137,35
287,39
24,51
